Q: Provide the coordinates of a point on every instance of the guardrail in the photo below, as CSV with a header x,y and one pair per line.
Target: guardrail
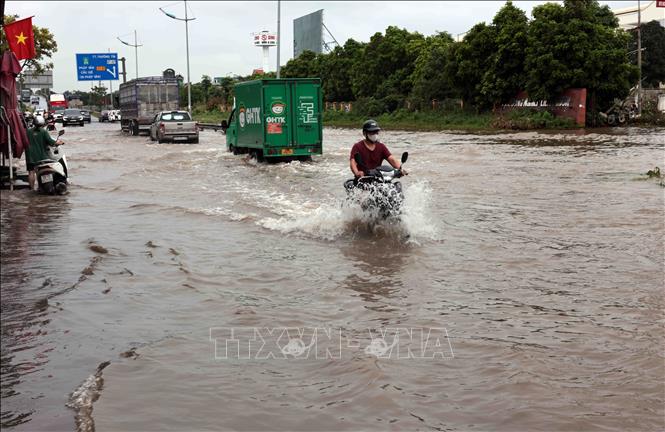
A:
x,y
213,126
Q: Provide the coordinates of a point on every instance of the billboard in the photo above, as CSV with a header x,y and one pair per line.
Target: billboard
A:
x,y
308,33
34,80
265,38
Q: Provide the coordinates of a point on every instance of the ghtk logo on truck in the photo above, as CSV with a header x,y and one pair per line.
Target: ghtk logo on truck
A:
x,y
249,116
278,108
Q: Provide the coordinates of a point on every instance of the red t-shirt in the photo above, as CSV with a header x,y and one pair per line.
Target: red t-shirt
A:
x,y
371,158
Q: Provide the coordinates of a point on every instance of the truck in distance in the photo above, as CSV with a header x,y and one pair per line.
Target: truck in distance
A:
x,y
142,98
276,119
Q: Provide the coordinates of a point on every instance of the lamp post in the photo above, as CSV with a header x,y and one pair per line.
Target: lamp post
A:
x,y
136,51
639,57
189,84
279,36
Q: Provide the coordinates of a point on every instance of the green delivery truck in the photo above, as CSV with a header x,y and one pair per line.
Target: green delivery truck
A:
x,y
276,118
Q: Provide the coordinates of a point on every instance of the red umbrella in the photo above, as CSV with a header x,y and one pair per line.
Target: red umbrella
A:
x,y
11,116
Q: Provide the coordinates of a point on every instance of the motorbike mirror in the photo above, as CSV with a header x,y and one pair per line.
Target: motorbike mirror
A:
x,y
61,132
405,156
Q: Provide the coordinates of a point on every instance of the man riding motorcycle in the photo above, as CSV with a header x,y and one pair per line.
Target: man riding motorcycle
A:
x,y
372,152
38,148
375,188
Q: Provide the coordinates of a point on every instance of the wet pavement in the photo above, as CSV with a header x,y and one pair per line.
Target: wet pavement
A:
x,y
532,261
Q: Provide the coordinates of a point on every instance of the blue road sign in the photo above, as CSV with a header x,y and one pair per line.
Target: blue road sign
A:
x,y
97,67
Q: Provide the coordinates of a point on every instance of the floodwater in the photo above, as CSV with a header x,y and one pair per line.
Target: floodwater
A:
x,y
532,262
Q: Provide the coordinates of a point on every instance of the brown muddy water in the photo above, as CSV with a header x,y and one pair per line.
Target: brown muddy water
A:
x,y
533,260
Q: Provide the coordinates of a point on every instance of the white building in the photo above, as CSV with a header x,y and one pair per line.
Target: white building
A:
x,y
649,12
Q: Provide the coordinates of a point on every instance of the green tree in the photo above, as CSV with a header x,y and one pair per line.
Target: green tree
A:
x,y
429,81
653,54
468,61
505,74
578,44
45,46
386,64
97,94
206,85
303,66
335,71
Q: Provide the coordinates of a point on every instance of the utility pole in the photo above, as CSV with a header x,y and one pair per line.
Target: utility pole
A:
x,y
136,54
186,20
136,51
124,71
639,58
279,37
189,83
111,88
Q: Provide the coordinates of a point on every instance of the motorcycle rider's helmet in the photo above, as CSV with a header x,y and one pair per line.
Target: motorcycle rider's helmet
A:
x,y
39,121
370,126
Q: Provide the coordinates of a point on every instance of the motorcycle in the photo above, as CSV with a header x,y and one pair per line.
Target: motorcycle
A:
x,y
50,123
52,173
378,190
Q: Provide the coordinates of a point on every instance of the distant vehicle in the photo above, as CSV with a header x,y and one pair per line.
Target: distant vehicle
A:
x,y
142,98
26,95
86,115
114,115
175,126
58,100
276,118
57,113
72,116
104,116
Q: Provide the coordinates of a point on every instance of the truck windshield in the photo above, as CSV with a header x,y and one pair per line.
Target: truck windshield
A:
x,y
178,116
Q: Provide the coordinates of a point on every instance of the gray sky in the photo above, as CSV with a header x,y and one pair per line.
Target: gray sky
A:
x,y
220,38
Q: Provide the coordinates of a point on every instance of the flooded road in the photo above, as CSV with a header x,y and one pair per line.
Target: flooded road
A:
x,y
533,261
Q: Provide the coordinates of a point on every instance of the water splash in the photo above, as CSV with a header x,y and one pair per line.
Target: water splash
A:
x,y
330,221
417,212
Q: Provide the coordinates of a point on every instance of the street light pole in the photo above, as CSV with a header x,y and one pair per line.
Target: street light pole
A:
x,y
279,39
189,83
639,57
136,54
136,51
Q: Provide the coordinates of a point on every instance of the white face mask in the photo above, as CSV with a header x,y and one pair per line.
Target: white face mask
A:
x,y
373,137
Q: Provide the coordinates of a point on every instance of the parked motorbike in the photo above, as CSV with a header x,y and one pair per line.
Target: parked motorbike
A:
x,y
378,190
52,173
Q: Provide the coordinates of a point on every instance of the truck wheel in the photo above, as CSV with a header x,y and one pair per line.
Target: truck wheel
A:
x,y
195,141
257,154
135,129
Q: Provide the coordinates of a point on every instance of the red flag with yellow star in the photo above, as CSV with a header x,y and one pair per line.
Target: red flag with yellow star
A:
x,y
21,39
